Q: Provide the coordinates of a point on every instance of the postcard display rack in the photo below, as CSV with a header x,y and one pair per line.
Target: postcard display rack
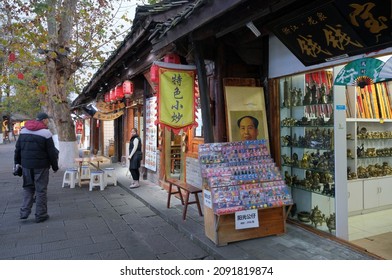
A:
x,y
241,176
307,146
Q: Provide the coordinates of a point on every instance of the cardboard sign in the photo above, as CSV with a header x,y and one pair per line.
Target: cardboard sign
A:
x,y
246,219
207,198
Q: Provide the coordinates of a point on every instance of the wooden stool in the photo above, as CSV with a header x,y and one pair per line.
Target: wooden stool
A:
x,y
97,179
70,177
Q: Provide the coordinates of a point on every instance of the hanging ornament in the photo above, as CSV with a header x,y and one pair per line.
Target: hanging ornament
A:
x,y
172,58
42,88
12,57
128,88
118,92
112,95
154,73
107,97
20,76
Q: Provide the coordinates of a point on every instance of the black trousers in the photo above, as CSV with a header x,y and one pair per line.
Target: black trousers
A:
x,y
135,174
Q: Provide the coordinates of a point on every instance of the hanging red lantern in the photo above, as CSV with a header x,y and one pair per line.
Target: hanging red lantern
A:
x,y
107,97
154,73
112,95
20,76
172,58
118,92
127,88
12,57
42,89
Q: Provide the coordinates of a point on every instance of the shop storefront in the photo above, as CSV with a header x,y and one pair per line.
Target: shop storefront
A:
x,y
304,116
329,111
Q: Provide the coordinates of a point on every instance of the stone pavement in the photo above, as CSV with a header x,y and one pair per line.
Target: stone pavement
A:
x,y
122,223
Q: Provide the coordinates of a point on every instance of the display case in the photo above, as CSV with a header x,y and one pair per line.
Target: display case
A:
x,y
175,159
240,176
307,146
369,147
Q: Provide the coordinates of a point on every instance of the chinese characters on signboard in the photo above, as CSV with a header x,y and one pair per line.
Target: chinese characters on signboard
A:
x,y
336,29
246,219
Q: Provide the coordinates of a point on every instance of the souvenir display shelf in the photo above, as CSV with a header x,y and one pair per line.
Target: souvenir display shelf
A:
x,y
369,147
242,176
307,146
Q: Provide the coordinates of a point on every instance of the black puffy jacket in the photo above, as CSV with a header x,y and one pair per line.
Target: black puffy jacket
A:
x,y
35,147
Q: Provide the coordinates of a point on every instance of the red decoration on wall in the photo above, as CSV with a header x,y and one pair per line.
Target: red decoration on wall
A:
x,y
12,57
118,92
128,88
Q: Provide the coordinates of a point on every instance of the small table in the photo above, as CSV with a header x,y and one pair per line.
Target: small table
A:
x,y
93,161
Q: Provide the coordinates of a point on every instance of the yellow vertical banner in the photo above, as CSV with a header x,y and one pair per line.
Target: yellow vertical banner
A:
x,y
176,96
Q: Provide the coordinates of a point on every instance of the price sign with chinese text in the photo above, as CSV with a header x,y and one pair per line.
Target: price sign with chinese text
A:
x,y
246,219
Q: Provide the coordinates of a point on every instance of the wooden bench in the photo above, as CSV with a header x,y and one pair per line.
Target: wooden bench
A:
x,y
188,189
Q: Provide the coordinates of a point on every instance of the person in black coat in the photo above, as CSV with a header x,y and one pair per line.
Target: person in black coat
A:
x,y
36,153
135,157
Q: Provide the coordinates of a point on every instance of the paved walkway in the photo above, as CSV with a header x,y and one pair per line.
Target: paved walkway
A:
x,y
123,223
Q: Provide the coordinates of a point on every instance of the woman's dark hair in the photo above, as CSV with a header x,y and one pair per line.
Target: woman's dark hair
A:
x,y
254,120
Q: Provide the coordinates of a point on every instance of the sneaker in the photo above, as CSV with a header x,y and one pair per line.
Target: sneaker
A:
x,y
41,219
23,217
134,186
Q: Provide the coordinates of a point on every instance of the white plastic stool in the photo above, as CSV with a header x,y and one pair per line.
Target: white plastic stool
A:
x,y
97,179
70,177
110,176
85,172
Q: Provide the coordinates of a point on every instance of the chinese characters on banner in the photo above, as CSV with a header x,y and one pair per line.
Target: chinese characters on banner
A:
x,y
150,161
176,96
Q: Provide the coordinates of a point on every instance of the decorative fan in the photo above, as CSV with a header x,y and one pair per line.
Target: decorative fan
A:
x,y
386,70
360,72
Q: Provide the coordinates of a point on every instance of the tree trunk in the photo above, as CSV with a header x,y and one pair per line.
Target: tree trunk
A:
x,y
58,107
59,69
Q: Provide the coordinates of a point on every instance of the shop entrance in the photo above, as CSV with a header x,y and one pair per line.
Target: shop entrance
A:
x,y
174,155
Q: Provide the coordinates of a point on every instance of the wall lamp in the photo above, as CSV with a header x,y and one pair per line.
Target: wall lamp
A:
x,y
253,28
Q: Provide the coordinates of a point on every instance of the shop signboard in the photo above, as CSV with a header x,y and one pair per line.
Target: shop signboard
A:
x,y
336,29
176,96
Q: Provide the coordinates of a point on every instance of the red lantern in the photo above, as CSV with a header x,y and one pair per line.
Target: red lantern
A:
x,y
127,89
42,89
12,57
118,91
112,95
172,58
107,97
154,73
20,76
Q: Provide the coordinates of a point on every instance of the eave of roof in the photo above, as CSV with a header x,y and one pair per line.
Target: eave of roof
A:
x,y
147,17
